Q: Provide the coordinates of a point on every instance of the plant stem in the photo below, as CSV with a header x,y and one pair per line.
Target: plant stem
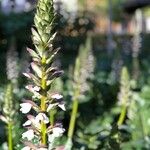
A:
x,y
10,141
52,116
43,101
73,115
122,115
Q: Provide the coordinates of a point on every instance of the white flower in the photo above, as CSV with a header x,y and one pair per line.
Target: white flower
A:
x,y
34,121
28,134
43,149
27,123
51,138
42,117
26,148
50,106
57,131
25,107
57,96
35,90
62,106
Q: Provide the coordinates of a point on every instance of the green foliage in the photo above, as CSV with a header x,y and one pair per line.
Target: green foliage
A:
x,y
9,117
139,119
98,112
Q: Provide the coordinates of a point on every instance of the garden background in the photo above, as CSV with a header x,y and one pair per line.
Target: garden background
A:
x,y
117,34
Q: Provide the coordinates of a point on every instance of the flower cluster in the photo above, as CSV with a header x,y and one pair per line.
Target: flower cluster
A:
x,y
9,114
40,130
84,66
12,61
8,108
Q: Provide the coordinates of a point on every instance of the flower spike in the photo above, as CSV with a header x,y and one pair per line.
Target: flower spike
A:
x,y
43,74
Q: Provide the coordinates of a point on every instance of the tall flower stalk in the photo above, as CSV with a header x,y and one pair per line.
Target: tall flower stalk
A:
x,y
9,111
124,94
84,67
9,114
41,131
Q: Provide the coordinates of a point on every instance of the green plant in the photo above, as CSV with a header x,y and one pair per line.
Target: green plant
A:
x,y
9,114
42,128
138,120
84,67
10,104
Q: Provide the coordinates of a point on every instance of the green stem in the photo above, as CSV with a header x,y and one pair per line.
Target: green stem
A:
x,y
73,119
122,115
10,139
43,102
52,116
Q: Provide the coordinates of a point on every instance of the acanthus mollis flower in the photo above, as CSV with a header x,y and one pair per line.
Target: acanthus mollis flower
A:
x,y
56,131
56,101
43,74
84,67
9,114
28,134
30,146
25,107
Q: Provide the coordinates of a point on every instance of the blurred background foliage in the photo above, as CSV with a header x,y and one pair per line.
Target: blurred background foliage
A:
x,y
99,107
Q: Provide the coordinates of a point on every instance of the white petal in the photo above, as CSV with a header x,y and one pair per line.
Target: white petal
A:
x,y
25,107
42,117
27,123
50,106
57,96
26,148
3,119
35,122
36,88
62,106
43,149
58,131
51,138
28,134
